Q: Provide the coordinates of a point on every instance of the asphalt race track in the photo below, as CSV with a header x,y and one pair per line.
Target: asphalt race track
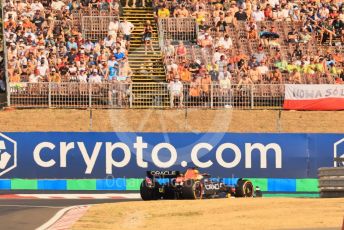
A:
x,y
32,213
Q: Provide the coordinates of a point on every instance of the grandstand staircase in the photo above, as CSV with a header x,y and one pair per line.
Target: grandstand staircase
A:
x,y
148,69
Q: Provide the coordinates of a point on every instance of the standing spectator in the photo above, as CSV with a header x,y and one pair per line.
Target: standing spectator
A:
x,y
147,36
241,15
127,28
163,12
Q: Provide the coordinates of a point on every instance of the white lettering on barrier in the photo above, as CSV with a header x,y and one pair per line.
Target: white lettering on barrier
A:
x,y
263,150
156,159
110,161
64,149
194,157
37,154
90,160
236,151
139,146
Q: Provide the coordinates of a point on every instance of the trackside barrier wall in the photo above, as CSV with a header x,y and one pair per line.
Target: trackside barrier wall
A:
x,y
277,163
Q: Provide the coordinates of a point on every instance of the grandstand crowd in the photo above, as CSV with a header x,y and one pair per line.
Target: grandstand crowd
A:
x,y
241,42
45,46
249,42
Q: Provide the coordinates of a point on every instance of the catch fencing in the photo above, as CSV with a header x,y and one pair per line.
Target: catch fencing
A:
x,y
145,95
181,29
95,28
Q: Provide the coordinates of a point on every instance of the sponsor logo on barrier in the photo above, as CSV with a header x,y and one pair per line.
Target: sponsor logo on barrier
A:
x,y
8,154
142,162
338,151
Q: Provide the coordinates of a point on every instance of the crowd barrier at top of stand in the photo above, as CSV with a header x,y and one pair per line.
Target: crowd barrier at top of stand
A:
x,y
121,95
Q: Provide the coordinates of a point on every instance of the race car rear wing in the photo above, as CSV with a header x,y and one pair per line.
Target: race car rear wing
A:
x,y
163,174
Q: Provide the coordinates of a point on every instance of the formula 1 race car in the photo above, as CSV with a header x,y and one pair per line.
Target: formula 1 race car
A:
x,y
191,185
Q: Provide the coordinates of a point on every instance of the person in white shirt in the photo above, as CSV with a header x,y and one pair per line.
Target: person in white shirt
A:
x,y
127,28
258,15
171,66
113,28
35,77
57,4
95,77
36,5
82,76
225,42
176,91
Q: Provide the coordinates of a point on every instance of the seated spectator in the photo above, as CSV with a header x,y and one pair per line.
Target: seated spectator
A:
x,y
275,76
176,91
255,75
263,68
205,85
225,42
206,42
181,51
295,77
54,76
293,36
95,78
195,89
163,12
258,15
251,28
184,73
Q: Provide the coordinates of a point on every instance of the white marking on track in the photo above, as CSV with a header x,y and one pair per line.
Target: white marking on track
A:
x,y
30,206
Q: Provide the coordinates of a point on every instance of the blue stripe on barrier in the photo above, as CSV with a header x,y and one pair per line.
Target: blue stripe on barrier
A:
x,y
5,184
281,185
230,181
111,184
51,185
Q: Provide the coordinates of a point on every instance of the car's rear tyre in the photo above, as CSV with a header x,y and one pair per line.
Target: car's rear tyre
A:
x,y
192,190
148,192
244,188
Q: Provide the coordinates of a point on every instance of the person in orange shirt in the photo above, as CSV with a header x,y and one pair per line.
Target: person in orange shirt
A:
x,y
27,24
184,73
205,84
194,88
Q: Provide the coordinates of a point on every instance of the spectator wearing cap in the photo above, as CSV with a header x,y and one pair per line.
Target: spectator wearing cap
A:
x,y
113,71
82,75
95,78
54,76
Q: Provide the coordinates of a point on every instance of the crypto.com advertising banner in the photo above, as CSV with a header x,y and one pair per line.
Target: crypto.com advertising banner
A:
x,y
99,155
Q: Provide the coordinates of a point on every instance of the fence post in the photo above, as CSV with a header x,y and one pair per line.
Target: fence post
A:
x,y
90,95
131,95
7,80
252,97
211,95
49,94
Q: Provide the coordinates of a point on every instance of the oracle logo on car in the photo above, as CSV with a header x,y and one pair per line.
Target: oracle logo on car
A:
x,y
141,159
